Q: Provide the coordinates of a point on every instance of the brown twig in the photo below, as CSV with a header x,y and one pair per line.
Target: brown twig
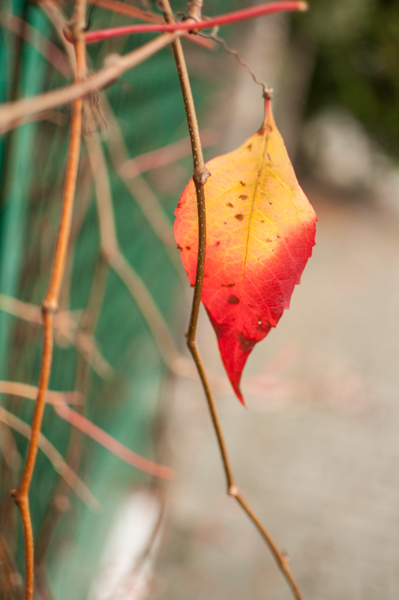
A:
x,y
163,157
123,268
138,187
14,388
50,302
37,40
72,479
13,112
110,443
67,326
200,176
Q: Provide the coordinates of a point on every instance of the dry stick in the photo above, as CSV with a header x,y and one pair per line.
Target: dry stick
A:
x,y
141,192
110,443
165,156
59,401
117,65
200,176
14,388
50,302
72,479
67,326
123,268
139,188
37,40
74,450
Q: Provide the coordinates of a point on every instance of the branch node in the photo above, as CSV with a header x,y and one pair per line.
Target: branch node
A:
x,y
201,176
194,9
268,93
233,491
49,307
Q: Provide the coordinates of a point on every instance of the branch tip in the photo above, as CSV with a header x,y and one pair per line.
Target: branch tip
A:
x,y
268,93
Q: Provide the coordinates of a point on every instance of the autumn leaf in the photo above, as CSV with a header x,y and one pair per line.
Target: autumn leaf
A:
x,y
260,233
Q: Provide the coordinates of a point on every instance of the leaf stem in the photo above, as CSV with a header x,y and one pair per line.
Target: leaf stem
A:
x,y
200,176
192,26
50,302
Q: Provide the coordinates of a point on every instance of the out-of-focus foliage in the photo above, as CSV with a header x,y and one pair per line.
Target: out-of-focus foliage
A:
x,y
355,46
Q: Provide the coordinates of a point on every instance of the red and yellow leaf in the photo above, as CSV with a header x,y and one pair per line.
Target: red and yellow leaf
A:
x,y
260,233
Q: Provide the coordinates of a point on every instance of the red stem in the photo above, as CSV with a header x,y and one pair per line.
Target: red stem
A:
x,y
233,17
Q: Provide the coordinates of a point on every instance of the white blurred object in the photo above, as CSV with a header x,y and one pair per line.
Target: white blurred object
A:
x,y
125,569
339,149
342,154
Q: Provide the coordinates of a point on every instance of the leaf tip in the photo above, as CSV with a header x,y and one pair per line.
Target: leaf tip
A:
x,y
236,387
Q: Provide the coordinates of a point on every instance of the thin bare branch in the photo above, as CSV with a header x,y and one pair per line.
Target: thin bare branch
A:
x,y
122,267
50,302
58,20
110,443
50,51
163,157
13,112
200,176
54,457
139,188
59,400
14,388
67,325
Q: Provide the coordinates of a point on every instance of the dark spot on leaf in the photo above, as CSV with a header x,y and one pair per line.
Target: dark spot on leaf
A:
x,y
245,343
233,300
179,247
243,197
278,236
188,247
242,183
269,157
270,203
218,243
224,222
269,127
230,204
249,147
228,284
178,205
261,131
239,217
268,240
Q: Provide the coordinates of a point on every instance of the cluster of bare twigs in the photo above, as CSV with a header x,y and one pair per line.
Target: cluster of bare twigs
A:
x,y
78,328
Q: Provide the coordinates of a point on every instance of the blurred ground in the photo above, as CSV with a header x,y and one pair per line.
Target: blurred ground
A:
x,y
317,455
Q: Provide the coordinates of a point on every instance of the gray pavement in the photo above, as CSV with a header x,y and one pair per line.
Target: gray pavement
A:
x,y
317,450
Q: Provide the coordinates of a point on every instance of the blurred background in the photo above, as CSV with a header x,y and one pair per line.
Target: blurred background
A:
x,y
316,450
